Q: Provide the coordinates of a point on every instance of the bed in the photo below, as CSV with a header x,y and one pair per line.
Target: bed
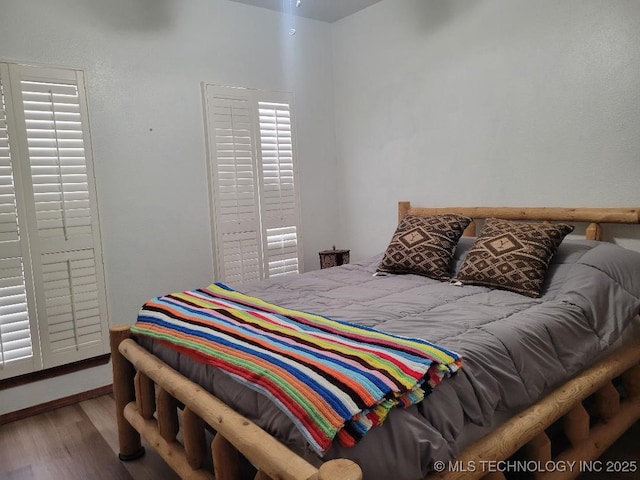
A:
x,y
581,378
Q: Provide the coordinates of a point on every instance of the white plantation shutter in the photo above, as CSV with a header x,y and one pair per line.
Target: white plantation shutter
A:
x,y
72,301
61,216
234,188
251,165
19,352
279,203
55,138
15,330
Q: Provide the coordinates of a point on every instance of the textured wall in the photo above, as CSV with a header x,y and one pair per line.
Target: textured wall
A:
x,y
494,102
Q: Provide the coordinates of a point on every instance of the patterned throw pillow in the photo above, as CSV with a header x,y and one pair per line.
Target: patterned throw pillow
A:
x,y
512,256
424,245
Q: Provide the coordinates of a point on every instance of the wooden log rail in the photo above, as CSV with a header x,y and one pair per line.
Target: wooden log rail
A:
x,y
594,217
589,434
147,392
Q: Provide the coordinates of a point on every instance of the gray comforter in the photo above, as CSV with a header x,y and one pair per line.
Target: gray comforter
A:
x,y
514,348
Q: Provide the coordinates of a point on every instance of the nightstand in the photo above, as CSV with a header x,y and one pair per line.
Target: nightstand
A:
x,y
333,258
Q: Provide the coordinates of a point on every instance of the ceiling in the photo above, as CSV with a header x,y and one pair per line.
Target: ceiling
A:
x,y
324,10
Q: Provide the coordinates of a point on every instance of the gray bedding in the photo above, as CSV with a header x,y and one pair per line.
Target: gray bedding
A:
x,y
514,348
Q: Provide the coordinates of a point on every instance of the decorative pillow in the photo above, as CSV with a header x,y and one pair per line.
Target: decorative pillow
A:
x,y
424,245
512,256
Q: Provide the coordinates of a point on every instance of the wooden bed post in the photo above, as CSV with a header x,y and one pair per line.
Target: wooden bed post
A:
x,y
226,460
123,393
339,468
145,395
594,232
470,231
194,438
403,208
607,402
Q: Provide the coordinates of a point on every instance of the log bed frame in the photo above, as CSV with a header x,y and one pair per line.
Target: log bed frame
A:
x,y
148,392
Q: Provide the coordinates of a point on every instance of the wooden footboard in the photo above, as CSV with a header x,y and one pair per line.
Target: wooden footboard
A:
x,y
588,434
147,392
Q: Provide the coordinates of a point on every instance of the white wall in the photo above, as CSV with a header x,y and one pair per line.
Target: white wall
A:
x,y
144,62
492,102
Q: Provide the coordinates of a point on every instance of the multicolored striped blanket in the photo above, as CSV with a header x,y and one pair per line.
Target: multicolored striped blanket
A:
x,y
332,378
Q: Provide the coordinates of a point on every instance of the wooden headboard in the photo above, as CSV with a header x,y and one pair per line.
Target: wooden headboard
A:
x,y
595,217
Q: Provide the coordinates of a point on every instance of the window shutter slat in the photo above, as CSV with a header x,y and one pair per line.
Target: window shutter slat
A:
x,y
7,190
72,301
58,162
15,329
282,247
16,346
234,185
279,197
